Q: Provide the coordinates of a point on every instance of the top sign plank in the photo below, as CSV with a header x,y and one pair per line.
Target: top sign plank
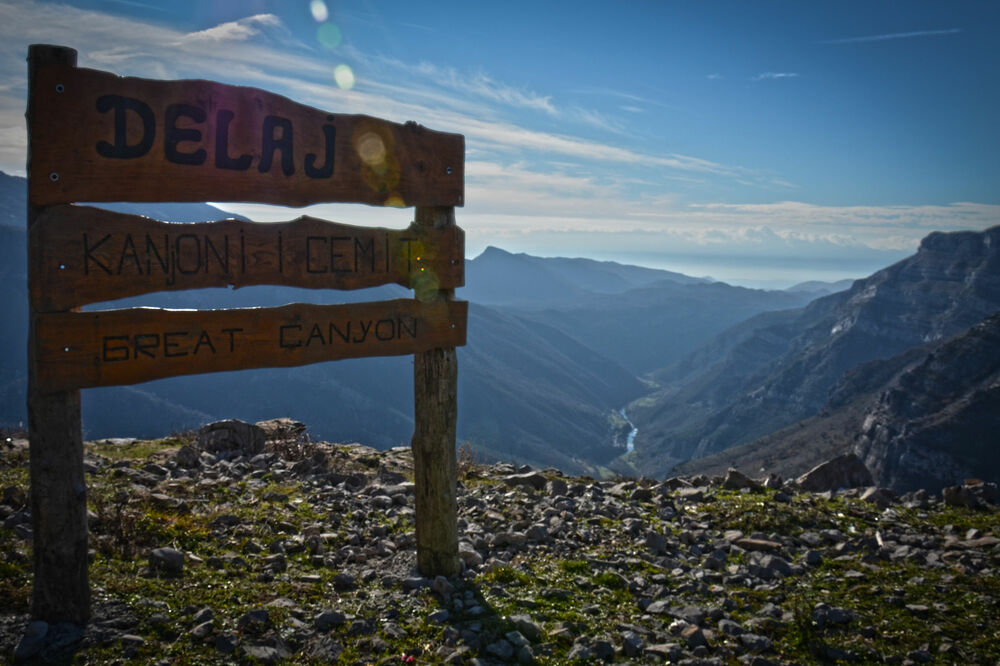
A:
x,y
95,136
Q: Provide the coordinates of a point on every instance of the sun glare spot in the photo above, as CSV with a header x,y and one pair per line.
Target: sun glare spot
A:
x,y
328,34
344,77
371,149
319,10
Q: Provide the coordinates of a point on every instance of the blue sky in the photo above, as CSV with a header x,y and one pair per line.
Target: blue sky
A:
x,y
761,143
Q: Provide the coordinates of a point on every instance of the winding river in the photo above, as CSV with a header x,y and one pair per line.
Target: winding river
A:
x,y
630,442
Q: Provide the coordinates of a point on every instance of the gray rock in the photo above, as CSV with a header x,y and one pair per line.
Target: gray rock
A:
x,y
664,651
439,616
527,626
204,615
730,628
167,560
328,619
737,480
755,642
501,649
632,644
532,480
323,649
33,640
203,630
187,457
880,497
231,437
846,471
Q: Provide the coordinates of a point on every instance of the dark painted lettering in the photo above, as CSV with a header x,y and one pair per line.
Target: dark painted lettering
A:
x,y
174,135
410,327
145,344
221,259
88,257
151,250
179,254
222,158
365,327
314,334
344,335
281,336
385,329
170,347
334,256
362,250
329,138
232,339
120,149
114,348
204,340
128,252
409,253
271,143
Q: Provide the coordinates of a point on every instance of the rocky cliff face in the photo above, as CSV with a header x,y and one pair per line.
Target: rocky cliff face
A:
x,y
950,284
937,422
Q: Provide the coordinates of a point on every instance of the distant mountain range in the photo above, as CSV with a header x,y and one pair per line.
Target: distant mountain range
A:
x,y
866,369
900,367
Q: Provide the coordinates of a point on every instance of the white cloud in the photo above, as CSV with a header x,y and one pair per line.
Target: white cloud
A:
x,y
234,31
765,76
893,35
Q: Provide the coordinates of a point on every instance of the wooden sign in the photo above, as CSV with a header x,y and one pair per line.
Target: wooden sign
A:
x,y
107,348
94,136
113,138
84,255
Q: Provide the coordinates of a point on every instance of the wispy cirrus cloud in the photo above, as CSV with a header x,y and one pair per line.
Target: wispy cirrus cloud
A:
x,y
893,35
235,31
767,76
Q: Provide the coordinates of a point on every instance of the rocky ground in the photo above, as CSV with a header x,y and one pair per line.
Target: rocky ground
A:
x,y
298,552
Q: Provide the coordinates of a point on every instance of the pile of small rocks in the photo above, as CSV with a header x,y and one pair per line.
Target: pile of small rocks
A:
x,y
554,568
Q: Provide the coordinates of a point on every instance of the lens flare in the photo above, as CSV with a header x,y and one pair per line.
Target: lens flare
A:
x,y
328,34
319,10
344,77
371,149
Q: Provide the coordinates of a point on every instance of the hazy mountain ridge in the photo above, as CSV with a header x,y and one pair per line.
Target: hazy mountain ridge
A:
x,y
498,277
925,418
950,284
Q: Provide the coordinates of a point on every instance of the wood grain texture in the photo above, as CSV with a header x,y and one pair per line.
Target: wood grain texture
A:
x,y
86,349
435,469
60,585
101,137
82,254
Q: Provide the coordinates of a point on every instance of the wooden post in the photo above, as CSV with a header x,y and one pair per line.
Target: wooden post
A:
x,y
435,400
58,492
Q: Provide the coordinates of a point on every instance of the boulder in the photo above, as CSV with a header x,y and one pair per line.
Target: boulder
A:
x,y
846,471
231,437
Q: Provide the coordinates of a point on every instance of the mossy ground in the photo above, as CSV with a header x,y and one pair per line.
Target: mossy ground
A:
x,y
900,606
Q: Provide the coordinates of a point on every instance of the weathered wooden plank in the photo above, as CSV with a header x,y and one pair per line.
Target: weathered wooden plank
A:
x,y
60,587
435,406
85,349
101,137
84,255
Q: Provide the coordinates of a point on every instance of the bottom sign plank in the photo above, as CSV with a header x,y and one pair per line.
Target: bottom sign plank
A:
x,y
112,347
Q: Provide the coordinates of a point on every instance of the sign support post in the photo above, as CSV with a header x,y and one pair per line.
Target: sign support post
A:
x,y
61,591
435,469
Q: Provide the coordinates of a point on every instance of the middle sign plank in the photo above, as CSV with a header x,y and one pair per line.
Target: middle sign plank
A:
x,y
107,348
87,255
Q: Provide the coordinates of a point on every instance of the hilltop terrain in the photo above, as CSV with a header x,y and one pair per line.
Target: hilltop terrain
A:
x,y
304,553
